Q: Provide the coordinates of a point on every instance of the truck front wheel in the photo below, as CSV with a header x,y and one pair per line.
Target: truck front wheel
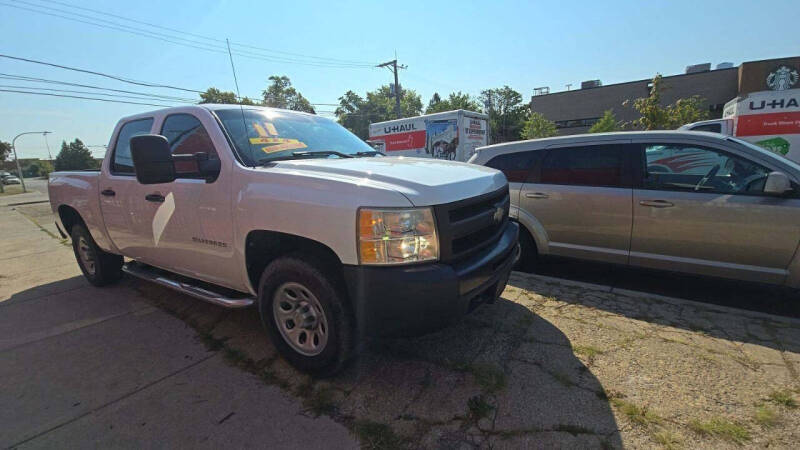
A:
x,y
100,268
306,315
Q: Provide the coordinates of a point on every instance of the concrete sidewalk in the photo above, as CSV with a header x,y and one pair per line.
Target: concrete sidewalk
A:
x,y
88,367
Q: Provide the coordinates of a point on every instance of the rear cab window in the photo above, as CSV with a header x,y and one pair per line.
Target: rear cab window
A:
x,y
122,164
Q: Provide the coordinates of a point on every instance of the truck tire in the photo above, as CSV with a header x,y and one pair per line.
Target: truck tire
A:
x,y
306,314
99,267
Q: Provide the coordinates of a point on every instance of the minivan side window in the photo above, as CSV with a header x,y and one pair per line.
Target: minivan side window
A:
x,y
187,136
516,166
590,165
122,163
693,168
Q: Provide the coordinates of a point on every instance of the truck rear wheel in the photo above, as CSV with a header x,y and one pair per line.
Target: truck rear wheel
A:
x,y
100,268
306,315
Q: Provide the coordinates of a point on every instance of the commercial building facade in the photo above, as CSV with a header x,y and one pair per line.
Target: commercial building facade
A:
x,y
575,111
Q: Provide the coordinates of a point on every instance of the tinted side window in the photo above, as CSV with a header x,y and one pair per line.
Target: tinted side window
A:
x,y
711,127
516,166
594,165
122,162
684,167
187,136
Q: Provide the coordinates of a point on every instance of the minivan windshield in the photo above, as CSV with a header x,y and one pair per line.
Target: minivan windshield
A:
x,y
264,135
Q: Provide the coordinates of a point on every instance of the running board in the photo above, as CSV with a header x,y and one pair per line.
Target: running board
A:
x,y
156,276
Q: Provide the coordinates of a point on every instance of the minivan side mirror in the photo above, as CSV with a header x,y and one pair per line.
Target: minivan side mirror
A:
x,y
152,159
777,183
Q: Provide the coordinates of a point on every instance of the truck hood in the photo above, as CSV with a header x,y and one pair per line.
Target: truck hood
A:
x,y
423,181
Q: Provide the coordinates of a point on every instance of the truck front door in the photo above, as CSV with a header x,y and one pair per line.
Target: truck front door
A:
x,y
126,218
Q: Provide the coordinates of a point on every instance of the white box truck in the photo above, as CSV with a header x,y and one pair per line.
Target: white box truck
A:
x,y
452,135
770,119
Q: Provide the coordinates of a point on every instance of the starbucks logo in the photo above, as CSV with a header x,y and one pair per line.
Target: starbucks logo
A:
x,y
782,78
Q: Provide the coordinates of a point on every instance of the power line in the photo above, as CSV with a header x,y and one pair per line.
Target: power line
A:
x,y
212,39
177,40
91,72
69,91
83,98
6,76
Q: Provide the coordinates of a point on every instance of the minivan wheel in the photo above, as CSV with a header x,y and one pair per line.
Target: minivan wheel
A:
x,y
100,268
306,315
529,254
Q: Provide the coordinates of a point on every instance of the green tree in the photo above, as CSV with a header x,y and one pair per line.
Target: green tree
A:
x,y
37,169
214,95
606,124
537,126
74,156
456,100
356,113
655,116
281,94
506,113
5,150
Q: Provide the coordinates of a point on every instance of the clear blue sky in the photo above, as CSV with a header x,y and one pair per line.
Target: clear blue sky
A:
x,y
463,45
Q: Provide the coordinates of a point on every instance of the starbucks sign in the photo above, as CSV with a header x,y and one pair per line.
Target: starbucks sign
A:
x,y
781,78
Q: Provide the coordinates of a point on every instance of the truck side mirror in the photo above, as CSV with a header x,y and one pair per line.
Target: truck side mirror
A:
x,y
152,159
777,183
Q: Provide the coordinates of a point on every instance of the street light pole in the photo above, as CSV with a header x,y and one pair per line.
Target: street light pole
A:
x,y
16,158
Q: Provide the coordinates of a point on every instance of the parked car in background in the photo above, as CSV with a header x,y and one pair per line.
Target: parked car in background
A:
x,y
293,213
10,179
689,202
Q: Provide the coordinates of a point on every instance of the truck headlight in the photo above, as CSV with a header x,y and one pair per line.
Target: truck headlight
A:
x,y
396,236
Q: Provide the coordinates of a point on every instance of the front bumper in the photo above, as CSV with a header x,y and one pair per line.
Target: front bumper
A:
x,y
413,300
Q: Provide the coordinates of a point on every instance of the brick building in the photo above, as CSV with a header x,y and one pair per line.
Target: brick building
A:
x,y
575,111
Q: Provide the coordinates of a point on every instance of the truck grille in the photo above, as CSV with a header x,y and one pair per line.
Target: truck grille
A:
x,y
468,226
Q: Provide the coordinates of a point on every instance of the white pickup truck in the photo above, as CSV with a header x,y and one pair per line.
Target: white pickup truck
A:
x,y
289,211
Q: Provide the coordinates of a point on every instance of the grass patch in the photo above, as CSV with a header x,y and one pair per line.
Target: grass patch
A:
x,y
783,398
766,416
375,435
721,428
320,401
478,408
587,351
489,377
668,439
641,415
563,378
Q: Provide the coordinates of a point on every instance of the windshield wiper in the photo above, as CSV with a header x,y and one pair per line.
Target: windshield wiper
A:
x,y
370,153
305,154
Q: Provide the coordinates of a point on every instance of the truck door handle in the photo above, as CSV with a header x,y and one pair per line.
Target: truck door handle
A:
x,y
536,195
158,198
108,192
656,203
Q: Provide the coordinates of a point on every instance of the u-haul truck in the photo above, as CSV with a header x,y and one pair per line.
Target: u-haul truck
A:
x,y
452,135
770,119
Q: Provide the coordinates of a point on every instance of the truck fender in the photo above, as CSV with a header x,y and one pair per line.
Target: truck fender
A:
x,y
533,226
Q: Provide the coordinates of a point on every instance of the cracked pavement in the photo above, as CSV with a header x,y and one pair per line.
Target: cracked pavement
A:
x,y
552,364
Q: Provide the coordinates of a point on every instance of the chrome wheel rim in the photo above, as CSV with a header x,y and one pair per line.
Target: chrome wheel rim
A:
x,y
300,319
86,255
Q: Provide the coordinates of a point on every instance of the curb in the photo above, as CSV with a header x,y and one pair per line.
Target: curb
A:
x,y
28,203
666,299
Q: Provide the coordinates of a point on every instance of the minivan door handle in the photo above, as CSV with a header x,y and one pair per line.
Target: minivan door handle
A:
x,y
656,203
108,192
536,195
158,198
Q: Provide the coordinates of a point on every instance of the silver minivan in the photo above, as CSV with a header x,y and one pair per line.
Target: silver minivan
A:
x,y
682,201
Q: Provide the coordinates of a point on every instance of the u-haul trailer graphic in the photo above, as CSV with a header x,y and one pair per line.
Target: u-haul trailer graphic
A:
x,y
452,135
770,119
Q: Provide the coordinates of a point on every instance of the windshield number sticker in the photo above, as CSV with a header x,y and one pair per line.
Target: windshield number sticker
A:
x,y
286,146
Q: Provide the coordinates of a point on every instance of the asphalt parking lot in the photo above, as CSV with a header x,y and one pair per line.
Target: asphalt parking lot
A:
x,y
552,364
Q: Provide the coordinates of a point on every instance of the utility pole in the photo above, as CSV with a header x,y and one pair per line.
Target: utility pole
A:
x,y
393,66
16,158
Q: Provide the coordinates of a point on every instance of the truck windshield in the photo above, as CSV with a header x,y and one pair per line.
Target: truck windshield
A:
x,y
264,135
